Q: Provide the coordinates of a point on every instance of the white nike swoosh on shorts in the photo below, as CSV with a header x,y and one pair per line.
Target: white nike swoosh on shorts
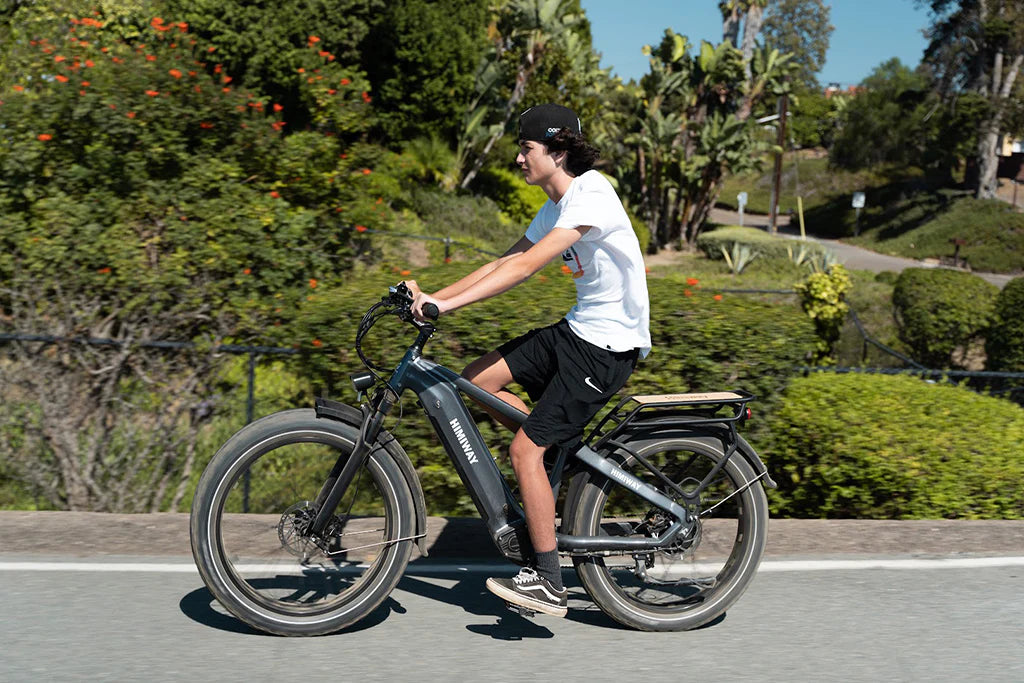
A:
x,y
592,385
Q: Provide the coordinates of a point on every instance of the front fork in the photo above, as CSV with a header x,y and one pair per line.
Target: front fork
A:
x,y
345,468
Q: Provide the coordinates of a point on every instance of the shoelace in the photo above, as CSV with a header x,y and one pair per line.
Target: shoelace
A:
x,y
525,575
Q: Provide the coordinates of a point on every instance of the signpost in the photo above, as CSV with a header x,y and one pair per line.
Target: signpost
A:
x,y
858,204
741,199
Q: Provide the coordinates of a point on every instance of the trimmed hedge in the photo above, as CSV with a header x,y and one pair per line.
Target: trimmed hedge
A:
x,y
939,311
1005,340
711,243
700,343
895,447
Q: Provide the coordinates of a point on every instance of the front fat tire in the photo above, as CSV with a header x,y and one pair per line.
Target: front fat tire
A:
x,y
285,609
734,575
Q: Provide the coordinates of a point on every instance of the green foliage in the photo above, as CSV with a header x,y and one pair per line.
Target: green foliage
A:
x,y
287,50
420,57
801,28
138,182
822,296
1004,342
701,341
519,201
883,447
941,311
923,226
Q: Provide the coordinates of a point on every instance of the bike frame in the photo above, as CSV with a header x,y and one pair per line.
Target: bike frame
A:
x,y
438,389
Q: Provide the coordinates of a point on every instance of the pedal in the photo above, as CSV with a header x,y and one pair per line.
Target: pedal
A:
x,y
520,610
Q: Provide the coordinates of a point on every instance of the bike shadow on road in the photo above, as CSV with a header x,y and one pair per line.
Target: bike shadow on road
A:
x,y
456,587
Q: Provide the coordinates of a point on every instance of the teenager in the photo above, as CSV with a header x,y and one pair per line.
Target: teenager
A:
x,y
572,368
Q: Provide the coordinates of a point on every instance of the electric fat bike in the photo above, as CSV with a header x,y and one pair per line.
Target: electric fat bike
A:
x,y
304,521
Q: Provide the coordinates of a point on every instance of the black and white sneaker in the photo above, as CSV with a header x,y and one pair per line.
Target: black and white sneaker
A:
x,y
530,590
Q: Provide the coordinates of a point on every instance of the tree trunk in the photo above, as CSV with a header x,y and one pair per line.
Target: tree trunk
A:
x,y
988,139
751,27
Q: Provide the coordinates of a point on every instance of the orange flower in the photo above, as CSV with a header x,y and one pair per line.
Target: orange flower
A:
x,y
211,48
59,58
153,93
226,79
692,281
182,26
687,292
157,21
217,69
345,81
247,271
19,88
301,70
205,124
225,89
130,115
86,84
89,63
717,297
317,343
331,91
275,194
312,283
566,269
323,53
150,58
366,97
62,78
313,39
406,272
367,171
104,271
175,73
44,136
277,107
360,228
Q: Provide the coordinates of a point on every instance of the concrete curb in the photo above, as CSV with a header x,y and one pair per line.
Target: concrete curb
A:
x,y
88,534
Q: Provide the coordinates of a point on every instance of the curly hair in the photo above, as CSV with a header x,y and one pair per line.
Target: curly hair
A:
x,y
581,155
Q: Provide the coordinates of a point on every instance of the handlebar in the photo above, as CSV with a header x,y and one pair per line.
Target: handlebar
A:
x,y
401,295
398,301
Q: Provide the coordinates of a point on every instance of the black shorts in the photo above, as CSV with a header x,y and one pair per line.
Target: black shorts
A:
x,y
568,379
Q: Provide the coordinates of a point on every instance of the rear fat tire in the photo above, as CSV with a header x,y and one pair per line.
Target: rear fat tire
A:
x,y
732,578
216,562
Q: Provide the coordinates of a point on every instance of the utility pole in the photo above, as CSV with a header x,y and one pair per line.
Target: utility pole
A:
x,y
777,175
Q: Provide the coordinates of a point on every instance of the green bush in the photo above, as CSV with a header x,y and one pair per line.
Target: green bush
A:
x,y
760,242
701,342
891,447
822,296
940,312
1005,340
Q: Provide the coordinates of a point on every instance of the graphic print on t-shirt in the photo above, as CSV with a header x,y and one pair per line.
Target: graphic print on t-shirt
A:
x,y
572,260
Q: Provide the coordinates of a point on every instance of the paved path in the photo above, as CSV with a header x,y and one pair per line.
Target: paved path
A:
x,y
852,257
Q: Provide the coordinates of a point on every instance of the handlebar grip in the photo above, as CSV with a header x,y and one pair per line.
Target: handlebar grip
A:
x,y
430,311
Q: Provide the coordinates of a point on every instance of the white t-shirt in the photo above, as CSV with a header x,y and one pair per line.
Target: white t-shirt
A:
x,y
612,308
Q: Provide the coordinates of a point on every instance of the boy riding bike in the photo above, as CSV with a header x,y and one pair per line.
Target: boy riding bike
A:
x,y
572,368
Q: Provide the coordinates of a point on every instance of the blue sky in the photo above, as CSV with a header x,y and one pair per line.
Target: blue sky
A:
x,y
867,33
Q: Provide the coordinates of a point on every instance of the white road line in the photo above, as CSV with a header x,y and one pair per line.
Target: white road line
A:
x,y
768,566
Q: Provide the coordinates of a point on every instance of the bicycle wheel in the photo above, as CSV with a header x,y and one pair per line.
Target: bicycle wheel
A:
x,y
697,579
249,516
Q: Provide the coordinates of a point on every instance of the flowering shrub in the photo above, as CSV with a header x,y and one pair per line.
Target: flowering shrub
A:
x,y
134,175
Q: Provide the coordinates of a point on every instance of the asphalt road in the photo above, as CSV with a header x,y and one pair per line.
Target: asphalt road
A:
x,y
442,625
88,596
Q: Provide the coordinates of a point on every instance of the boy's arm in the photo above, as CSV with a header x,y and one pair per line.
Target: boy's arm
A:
x,y
506,273
461,284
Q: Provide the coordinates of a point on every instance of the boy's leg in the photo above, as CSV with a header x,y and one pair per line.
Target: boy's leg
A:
x,y
491,373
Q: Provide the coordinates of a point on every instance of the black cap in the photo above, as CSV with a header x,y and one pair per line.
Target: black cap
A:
x,y
543,121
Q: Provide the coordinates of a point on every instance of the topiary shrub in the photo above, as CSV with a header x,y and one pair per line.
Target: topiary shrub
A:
x,y
758,241
1004,343
894,447
940,312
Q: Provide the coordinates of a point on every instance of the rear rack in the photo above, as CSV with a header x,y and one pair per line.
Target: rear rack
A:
x,y
698,409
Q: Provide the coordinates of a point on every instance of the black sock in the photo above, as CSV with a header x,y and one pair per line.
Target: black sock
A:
x,y
547,566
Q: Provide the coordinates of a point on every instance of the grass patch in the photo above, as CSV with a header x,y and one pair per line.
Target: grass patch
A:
x,y
992,231
810,178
